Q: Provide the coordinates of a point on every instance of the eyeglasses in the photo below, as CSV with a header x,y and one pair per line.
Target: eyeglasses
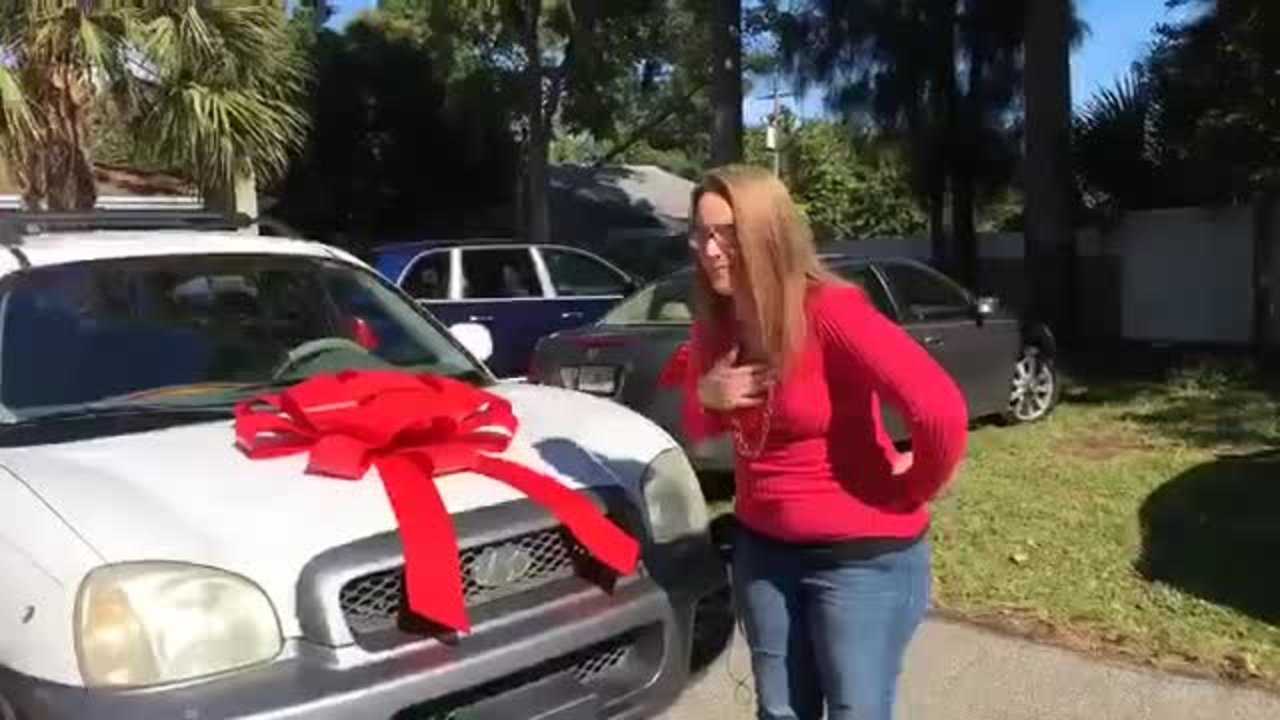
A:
x,y
725,235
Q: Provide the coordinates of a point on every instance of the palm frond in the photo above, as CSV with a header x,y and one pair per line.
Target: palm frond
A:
x,y
228,84
17,127
219,132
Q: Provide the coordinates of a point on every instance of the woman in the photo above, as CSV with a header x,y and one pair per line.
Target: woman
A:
x,y
831,567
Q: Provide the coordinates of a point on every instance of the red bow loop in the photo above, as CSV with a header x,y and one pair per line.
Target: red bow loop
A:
x,y
415,428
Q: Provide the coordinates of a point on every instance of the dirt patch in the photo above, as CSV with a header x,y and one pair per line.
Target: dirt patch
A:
x,y
1105,443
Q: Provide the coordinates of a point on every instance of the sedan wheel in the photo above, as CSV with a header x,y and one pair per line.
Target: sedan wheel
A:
x,y
1035,387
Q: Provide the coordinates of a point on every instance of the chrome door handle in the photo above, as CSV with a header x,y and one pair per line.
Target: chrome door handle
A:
x,y
571,315
932,340
480,318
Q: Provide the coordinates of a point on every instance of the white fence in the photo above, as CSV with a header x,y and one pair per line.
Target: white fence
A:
x,y
1181,276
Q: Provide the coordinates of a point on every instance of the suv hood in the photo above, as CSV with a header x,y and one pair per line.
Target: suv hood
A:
x,y
188,494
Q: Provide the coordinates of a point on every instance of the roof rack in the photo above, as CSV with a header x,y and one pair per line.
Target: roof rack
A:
x,y
15,227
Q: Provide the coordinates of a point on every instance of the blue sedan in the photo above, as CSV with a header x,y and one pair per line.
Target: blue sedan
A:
x,y
519,292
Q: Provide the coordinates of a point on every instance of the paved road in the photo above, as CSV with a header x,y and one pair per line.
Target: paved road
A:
x,y
956,672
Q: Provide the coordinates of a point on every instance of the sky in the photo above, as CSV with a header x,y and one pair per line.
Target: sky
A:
x,y
1119,31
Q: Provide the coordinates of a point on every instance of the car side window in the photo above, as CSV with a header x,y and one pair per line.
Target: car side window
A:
x,y
924,295
863,277
428,277
574,274
499,274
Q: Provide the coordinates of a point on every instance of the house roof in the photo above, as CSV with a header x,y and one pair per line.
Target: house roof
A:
x,y
115,181
631,194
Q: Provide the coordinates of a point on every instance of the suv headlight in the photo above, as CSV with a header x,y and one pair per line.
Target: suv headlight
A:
x,y
150,623
674,498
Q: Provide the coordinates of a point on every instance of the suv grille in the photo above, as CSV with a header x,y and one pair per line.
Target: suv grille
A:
x,y
501,569
589,666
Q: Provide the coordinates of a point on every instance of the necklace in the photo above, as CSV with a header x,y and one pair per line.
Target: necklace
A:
x,y
739,434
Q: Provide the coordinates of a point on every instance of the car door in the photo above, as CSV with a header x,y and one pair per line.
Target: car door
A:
x,y
862,274
500,287
979,355
584,286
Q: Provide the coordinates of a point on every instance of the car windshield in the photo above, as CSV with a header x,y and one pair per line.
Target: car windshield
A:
x,y
663,302
201,330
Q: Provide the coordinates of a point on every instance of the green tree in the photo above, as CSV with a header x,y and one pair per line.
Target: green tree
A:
x,y
943,75
396,149
848,186
1214,75
211,86
563,57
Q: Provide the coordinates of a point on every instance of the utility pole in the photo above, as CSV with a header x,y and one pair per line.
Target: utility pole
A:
x,y
772,132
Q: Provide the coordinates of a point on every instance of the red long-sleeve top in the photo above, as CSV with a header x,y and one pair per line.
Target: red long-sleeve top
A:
x,y
824,472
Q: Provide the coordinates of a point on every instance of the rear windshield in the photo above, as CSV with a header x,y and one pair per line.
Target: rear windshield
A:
x,y
197,326
664,302
668,301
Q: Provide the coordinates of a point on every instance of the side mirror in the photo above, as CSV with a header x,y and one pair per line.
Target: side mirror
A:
x,y
987,306
475,337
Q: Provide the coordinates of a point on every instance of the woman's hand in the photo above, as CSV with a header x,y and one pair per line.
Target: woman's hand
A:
x,y
726,387
903,462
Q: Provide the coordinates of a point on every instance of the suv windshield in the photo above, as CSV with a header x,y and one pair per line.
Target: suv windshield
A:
x,y
201,330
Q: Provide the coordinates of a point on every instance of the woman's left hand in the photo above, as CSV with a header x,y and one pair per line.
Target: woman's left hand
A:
x,y
903,462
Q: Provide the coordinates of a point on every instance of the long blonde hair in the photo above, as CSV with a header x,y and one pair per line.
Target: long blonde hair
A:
x,y
775,254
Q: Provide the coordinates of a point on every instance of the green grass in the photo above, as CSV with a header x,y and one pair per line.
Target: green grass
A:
x,y
1141,518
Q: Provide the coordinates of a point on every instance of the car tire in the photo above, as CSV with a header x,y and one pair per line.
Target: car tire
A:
x,y
1035,387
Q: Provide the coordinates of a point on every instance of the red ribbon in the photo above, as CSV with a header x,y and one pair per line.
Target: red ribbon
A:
x,y
414,428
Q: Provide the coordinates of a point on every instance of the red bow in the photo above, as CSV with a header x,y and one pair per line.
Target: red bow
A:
x,y
414,428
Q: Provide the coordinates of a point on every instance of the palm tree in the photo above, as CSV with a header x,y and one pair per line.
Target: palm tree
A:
x,y
223,98
16,125
212,88
1119,148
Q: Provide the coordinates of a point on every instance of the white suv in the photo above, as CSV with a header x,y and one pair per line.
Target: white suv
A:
x,y
149,569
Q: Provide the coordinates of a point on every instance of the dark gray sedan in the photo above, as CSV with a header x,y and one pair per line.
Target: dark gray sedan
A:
x,y
637,353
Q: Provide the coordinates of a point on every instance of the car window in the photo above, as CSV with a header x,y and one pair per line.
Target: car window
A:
x,y
428,277
925,295
84,332
865,278
499,273
666,301
575,274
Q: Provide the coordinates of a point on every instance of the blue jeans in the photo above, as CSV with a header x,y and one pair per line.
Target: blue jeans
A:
x,y
830,632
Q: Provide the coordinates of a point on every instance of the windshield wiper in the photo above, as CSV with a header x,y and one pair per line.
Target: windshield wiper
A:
x,y
89,421
93,411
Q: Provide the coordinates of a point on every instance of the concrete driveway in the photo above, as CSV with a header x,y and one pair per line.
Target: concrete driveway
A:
x,y
958,672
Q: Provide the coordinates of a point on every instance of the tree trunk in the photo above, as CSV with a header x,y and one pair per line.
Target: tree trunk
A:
x,y
1050,237
537,221
942,116
938,245
726,82
967,109
963,229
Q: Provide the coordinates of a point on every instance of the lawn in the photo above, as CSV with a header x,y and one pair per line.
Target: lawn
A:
x,y
1142,518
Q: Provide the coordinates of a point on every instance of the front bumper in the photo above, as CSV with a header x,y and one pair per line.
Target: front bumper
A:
x,y
559,653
